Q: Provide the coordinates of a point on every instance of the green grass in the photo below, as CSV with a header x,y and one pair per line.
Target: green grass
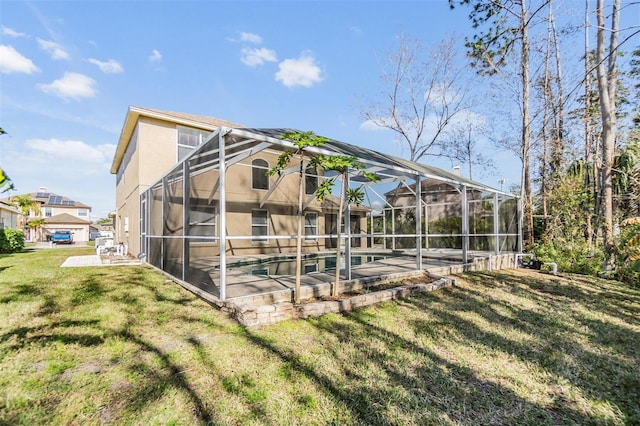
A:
x,y
123,345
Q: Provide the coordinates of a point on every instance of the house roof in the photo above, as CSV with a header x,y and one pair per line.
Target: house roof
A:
x,y
190,120
50,199
65,218
9,207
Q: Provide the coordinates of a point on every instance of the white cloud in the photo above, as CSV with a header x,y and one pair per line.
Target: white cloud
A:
x,y
155,56
56,51
72,150
253,57
109,67
250,38
13,61
302,71
11,32
71,85
355,30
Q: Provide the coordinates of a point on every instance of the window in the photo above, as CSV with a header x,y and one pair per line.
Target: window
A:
x,y
188,139
311,181
259,178
311,225
259,226
48,211
82,212
128,154
202,219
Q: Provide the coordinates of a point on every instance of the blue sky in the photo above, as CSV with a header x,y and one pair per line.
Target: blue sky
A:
x,y
69,70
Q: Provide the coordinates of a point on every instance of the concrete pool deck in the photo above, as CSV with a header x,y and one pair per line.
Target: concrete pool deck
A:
x,y
242,287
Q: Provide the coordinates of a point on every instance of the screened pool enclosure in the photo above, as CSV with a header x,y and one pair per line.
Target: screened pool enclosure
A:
x,y
219,223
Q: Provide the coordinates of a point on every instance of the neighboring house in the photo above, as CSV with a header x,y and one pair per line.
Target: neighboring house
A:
x,y
443,214
59,213
8,216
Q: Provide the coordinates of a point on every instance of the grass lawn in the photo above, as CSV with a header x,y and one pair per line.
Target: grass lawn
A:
x,y
123,345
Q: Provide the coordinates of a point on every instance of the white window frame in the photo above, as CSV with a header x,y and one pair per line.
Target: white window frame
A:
x,y
260,239
198,136
210,221
311,226
255,168
85,211
48,211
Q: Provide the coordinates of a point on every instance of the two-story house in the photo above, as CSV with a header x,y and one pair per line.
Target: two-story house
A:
x,y
153,141
59,213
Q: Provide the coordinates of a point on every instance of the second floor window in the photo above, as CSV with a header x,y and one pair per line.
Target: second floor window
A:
x,y
310,181
259,178
48,211
83,212
188,139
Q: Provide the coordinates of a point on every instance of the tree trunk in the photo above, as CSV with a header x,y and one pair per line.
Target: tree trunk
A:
x,y
299,233
527,202
336,285
587,121
607,103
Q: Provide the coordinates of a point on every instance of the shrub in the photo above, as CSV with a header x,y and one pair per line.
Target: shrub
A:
x,y
571,256
628,253
11,240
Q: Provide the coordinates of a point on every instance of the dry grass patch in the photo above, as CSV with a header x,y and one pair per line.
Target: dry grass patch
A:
x,y
123,345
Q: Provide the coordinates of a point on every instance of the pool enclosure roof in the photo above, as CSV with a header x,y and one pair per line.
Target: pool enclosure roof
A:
x,y
242,143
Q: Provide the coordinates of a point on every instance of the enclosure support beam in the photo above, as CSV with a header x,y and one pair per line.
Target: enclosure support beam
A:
x,y
222,240
164,223
426,225
186,209
347,229
418,223
520,219
496,222
465,225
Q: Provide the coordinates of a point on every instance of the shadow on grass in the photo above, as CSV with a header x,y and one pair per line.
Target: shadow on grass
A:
x,y
157,380
599,357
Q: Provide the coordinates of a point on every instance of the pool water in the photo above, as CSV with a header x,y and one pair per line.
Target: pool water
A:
x,y
320,263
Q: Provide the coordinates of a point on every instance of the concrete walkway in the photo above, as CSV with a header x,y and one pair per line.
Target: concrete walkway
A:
x,y
94,260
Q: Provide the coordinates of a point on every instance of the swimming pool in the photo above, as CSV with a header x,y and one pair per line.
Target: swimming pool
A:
x,y
310,263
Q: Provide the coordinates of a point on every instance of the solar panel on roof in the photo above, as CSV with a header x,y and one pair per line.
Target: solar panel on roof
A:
x,y
68,203
42,195
55,200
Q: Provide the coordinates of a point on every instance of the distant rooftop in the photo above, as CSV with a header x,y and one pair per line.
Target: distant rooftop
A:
x,y
51,199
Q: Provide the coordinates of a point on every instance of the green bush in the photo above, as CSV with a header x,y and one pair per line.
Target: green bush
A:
x,y
571,256
11,240
628,253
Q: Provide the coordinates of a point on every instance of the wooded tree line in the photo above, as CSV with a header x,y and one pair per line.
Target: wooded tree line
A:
x,y
571,73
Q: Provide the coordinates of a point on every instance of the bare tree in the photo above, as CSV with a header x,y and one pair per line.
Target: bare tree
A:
x,y
421,97
607,91
508,24
463,144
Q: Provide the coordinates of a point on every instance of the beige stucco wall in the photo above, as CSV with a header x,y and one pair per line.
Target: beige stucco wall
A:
x,y
156,154
9,218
